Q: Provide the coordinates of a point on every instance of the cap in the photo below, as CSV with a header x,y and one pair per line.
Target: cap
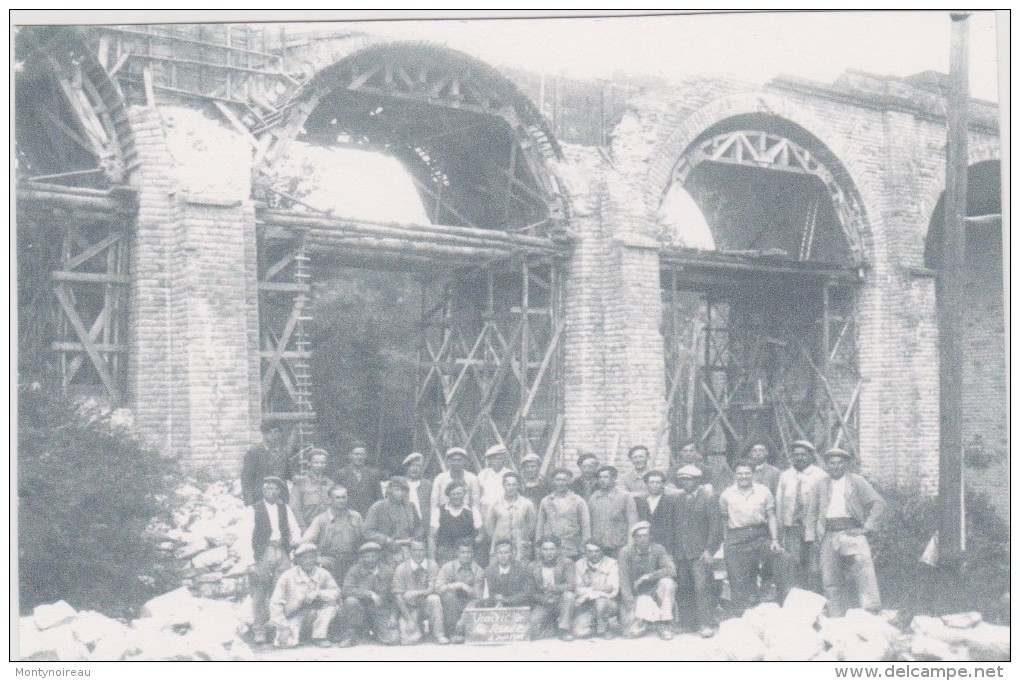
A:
x,y
313,451
592,545
456,451
531,457
611,469
839,452
413,456
397,481
689,471
273,480
304,548
649,474
584,457
495,450
369,546
557,471
804,444
638,526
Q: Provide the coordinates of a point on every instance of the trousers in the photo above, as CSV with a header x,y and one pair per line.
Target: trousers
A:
x,y
592,617
424,608
544,613
746,551
847,558
695,592
288,632
360,616
264,574
664,596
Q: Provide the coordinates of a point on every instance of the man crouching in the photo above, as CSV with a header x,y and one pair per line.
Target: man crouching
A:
x,y
305,596
414,589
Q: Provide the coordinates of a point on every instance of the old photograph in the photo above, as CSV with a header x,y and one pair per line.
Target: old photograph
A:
x,y
673,337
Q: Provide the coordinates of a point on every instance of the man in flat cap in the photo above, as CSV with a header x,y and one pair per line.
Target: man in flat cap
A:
x,y
613,512
311,488
275,531
698,532
337,532
368,600
305,596
633,481
553,585
414,590
715,470
564,514
491,477
798,502
456,460
851,509
597,579
647,585
419,488
534,485
392,522
267,458
587,478
764,472
512,517
363,482
460,584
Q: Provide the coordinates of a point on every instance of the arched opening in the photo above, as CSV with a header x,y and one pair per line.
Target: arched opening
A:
x,y
458,344
760,320
73,153
985,417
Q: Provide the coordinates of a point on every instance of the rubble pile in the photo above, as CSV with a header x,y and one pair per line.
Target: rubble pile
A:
x,y
174,626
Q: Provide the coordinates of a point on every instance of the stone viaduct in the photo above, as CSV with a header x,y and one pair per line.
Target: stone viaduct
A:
x,y
563,307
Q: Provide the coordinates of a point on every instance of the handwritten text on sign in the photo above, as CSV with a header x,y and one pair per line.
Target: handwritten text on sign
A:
x,y
496,625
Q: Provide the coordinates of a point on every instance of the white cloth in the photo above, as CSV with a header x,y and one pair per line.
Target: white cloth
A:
x,y
653,503
837,500
476,517
491,482
412,496
274,523
548,576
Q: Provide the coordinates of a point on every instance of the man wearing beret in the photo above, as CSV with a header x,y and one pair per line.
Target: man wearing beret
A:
x,y
456,459
587,478
305,596
491,477
311,489
698,536
363,482
419,488
613,512
648,574
368,599
851,509
534,486
564,515
338,532
275,531
392,522
798,500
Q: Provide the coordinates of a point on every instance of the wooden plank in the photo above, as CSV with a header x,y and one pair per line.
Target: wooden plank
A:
x,y
237,124
281,345
93,250
150,91
92,277
84,338
71,346
550,448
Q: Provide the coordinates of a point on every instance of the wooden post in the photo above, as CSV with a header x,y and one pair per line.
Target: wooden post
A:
x,y
950,285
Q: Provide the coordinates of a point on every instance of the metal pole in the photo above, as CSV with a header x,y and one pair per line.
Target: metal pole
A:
x,y
950,286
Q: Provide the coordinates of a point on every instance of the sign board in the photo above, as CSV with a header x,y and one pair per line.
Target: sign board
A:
x,y
493,626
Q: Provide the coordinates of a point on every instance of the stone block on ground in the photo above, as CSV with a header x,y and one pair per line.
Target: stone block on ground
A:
x,y
56,643
739,640
922,647
762,618
793,643
803,607
983,641
211,558
871,627
52,614
89,627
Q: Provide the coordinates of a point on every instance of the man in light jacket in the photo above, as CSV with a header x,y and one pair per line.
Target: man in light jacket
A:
x,y
797,505
851,509
305,594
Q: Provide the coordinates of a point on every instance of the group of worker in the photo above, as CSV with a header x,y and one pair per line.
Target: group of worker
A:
x,y
346,555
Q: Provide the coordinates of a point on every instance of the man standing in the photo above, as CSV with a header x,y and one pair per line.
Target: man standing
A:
x,y
363,483
311,489
659,510
553,577
564,515
512,517
368,599
698,535
266,459
613,512
392,522
414,589
851,510
459,584
764,472
751,537
507,581
647,586
797,508
419,489
305,595
338,532
587,479
633,481
598,584
716,472
491,477
275,531
456,458
533,485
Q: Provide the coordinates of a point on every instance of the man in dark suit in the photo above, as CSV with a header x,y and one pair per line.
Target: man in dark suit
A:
x,y
267,458
553,578
659,510
363,483
698,536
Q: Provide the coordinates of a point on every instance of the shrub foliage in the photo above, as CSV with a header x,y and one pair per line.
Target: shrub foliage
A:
x,y
87,490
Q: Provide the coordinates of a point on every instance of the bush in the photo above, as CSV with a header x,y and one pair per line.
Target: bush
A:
x,y
916,588
87,490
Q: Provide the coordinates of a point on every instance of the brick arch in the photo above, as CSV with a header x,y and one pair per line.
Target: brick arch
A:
x,y
668,154
978,151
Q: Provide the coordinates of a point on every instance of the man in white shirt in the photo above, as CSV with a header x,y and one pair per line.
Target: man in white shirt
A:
x,y
305,596
797,507
276,529
456,459
597,579
419,489
491,477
